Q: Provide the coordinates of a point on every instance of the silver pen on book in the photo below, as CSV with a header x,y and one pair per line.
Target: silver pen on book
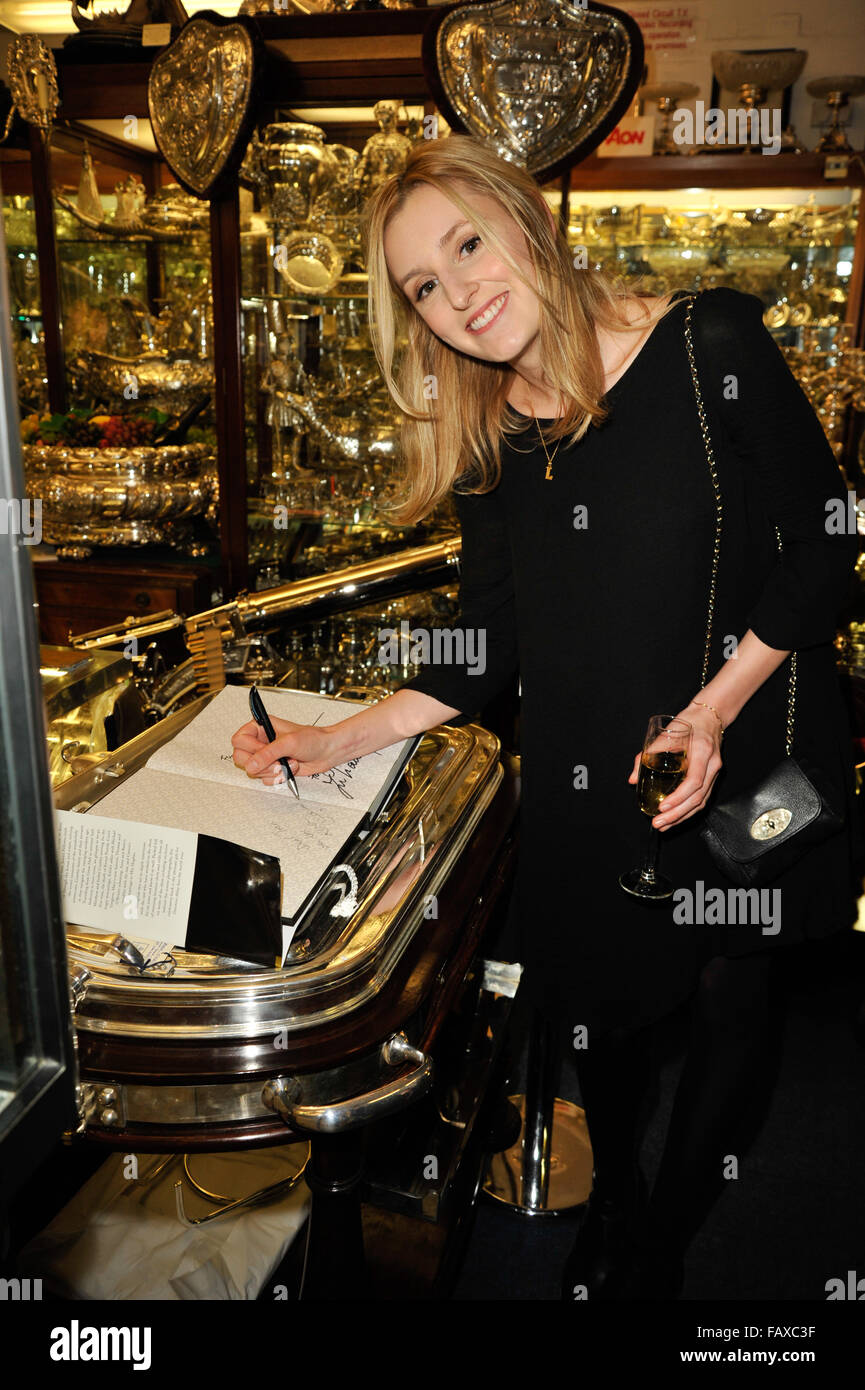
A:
x,y
260,715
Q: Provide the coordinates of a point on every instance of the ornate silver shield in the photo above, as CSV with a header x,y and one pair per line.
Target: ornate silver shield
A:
x,y
200,97
543,81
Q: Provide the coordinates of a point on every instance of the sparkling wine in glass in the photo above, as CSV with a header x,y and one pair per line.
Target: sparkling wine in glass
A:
x,y
663,766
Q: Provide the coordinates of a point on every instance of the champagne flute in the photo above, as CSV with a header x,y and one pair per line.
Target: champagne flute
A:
x,y
663,766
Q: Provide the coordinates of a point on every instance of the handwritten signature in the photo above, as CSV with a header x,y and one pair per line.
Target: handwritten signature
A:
x,y
338,777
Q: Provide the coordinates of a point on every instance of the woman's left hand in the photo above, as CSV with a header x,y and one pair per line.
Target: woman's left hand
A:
x,y
704,764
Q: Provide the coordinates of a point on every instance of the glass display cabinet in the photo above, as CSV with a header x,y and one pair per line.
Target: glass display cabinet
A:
x,y
259,298
19,222
37,1072
778,228
793,248
321,431
112,314
131,461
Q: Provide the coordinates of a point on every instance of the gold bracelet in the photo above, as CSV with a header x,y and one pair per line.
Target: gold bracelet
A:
x,y
703,705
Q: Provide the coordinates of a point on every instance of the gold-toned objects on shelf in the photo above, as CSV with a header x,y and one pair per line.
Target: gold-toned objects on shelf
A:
x,y
281,378
832,375
757,261
296,6
797,259
296,169
19,221
32,380
80,690
139,496
151,379
677,260
756,75
118,348
170,213
32,74
666,95
336,214
308,262
89,203
127,27
836,92
341,199
384,153
299,166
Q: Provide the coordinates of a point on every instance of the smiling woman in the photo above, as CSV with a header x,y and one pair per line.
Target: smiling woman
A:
x,y
592,555
467,265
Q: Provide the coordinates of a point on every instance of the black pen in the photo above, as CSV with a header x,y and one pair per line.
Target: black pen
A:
x,y
259,714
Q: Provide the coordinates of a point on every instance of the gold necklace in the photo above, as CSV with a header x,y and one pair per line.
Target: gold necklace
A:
x,y
549,473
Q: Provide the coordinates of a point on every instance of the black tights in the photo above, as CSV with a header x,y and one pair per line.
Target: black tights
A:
x,y
726,1080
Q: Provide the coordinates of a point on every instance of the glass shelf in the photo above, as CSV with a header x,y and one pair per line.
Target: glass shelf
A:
x,y
792,248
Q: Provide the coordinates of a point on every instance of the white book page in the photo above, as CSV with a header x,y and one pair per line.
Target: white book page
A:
x,y
125,878
203,748
305,837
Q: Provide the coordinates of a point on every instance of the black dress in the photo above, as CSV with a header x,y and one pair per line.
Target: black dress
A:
x,y
603,612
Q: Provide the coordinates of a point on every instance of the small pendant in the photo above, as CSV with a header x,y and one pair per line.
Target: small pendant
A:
x,y
548,473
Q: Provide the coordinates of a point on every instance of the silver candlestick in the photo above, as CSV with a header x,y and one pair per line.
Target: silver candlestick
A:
x,y
667,95
836,92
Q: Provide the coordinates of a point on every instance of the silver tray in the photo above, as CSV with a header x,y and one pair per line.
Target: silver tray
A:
x,y
335,965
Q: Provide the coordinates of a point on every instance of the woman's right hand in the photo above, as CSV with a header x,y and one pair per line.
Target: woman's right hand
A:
x,y
308,748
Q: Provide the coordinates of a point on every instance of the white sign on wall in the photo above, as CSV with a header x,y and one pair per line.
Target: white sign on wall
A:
x,y
634,135
667,28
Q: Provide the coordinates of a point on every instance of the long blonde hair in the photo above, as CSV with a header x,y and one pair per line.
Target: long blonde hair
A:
x,y
438,448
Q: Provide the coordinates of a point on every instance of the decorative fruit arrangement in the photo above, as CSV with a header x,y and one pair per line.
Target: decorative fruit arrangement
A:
x,y
88,431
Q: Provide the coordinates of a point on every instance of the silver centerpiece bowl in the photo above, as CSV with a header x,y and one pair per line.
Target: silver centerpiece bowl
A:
x,y
754,73
757,74
142,496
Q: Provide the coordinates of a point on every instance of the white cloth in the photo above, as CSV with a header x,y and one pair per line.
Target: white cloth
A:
x,y
122,1239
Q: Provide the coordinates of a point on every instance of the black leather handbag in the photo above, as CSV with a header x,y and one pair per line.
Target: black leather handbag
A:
x,y
757,834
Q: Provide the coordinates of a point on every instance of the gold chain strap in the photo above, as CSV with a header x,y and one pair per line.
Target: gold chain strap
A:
x,y
791,689
719,512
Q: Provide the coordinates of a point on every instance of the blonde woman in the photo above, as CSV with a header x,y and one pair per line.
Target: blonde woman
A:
x,y
559,410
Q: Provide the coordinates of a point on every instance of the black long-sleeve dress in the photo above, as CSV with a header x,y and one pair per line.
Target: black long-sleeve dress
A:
x,y
603,613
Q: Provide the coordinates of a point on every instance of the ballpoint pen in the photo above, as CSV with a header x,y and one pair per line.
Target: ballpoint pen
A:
x,y
101,944
259,714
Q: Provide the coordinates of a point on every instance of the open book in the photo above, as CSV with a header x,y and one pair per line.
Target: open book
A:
x,y
192,784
